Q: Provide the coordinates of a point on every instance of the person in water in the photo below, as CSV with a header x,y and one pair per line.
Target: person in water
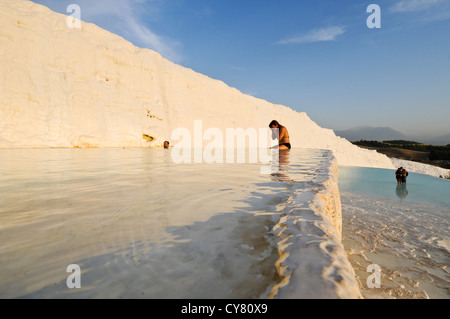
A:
x,y
405,174
283,137
400,175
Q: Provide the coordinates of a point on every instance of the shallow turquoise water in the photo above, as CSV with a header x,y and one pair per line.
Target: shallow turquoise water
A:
x,y
381,183
404,230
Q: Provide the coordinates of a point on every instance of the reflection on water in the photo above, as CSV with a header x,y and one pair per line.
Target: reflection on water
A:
x,y
283,167
401,191
139,225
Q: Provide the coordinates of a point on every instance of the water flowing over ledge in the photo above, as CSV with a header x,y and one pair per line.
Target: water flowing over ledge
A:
x,y
313,263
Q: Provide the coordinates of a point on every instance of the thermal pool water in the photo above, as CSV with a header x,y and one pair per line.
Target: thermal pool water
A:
x,y
140,226
403,229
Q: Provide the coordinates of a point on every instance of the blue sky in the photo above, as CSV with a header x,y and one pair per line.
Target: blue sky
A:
x,y
315,56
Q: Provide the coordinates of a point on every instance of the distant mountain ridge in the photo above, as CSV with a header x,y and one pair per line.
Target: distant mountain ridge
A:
x,y
387,134
371,133
440,140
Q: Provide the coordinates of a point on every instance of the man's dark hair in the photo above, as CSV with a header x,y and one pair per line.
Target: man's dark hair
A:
x,y
274,123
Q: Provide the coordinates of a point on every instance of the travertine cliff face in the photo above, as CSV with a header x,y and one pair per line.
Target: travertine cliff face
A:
x,y
68,87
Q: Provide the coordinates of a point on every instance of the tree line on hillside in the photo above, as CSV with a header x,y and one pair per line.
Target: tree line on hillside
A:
x,y
436,152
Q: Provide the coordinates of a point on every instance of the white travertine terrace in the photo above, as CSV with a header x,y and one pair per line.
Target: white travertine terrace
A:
x,y
69,87
63,87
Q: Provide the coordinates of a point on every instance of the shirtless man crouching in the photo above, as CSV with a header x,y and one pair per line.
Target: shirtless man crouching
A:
x,y
283,137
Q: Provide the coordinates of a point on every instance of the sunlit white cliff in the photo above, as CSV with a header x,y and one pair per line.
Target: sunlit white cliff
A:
x,y
86,87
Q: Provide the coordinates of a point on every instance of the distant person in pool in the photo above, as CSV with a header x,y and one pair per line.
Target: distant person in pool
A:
x,y
283,137
166,144
405,174
400,175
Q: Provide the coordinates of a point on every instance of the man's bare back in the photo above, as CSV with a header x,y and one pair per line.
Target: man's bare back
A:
x,y
283,137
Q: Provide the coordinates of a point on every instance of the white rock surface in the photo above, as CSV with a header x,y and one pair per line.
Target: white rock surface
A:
x,y
63,87
313,262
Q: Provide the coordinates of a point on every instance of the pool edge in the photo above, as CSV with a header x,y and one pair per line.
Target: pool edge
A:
x,y
312,261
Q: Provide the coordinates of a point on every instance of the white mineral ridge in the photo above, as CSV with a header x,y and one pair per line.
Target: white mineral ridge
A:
x,y
313,262
69,87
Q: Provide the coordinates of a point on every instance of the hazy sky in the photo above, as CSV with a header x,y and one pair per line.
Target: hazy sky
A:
x,y
316,56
